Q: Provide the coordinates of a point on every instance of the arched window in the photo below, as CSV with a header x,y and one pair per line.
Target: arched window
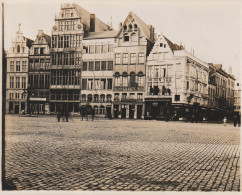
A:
x,y
84,98
125,79
135,27
109,98
96,97
116,79
140,79
132,79
130,27
102,98
89,98
18,49
125,28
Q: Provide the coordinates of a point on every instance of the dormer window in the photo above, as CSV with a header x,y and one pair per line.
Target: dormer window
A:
x,y
125,28
130,27
164,45
135,27
126,38
161,44
18,49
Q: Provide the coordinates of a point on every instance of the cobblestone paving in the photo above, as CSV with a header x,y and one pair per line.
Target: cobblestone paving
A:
x,y
42,154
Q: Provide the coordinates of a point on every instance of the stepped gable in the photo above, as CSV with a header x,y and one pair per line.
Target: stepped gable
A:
x,y
173,46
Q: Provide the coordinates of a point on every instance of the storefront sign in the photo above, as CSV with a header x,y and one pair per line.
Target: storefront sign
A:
x,y
37,99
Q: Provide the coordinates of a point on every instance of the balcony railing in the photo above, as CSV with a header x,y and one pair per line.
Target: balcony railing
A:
x,y
127,100
121,88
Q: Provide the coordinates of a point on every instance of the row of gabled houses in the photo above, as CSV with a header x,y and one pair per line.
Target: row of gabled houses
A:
x,y
126,73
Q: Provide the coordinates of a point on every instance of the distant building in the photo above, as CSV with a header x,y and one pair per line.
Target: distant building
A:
x,y
221,92
237,97
17,74
176,82
39,74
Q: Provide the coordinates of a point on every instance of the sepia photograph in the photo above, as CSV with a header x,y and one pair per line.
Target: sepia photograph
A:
x,y
121,96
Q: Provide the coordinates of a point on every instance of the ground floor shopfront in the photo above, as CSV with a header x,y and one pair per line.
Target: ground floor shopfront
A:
x,y
128,110
15,107
64,106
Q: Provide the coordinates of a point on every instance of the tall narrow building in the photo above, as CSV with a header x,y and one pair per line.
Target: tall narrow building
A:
x,y
17,74
132,45
39,74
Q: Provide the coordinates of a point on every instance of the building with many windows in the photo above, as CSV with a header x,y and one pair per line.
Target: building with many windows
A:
x,y
221,92
129,73
39,74
176,82
132,45
97,72
237,98
17,74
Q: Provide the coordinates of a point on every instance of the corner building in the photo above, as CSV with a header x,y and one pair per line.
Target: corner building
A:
x,y
132,45
177,83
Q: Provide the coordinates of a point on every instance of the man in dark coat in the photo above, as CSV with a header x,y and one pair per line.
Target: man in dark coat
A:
x,y
235,120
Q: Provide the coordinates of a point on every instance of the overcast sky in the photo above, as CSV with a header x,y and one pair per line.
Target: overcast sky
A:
x,y
212,28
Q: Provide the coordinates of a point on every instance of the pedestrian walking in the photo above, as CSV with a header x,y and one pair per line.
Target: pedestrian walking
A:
x,y
66,115
92,113
235,120
58,116
225,121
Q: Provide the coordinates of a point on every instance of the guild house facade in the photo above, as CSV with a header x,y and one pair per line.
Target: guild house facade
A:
x,y
128,73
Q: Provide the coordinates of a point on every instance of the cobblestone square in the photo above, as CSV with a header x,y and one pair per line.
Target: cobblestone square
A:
x,y
120,155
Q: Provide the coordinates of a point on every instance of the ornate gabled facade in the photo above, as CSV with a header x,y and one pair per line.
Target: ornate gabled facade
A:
x,y
176,82
66,58
17,74
131,47
39,75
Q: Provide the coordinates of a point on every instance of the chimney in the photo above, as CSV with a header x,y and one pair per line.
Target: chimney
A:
x,y
92,22
230,70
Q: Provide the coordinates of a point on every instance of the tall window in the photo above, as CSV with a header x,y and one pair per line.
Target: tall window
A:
x,y
90,84
84,66
110,83
11,82
104,48
117,58
11,66
24,66
97,65
98,48
16,95
117,81
102,109
91,48
156,72
110,48
10,96
110,65
18,49
103,65
24,82
17,82
18,66
125,81
140,81
91,66
132,58
141,58
125,58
